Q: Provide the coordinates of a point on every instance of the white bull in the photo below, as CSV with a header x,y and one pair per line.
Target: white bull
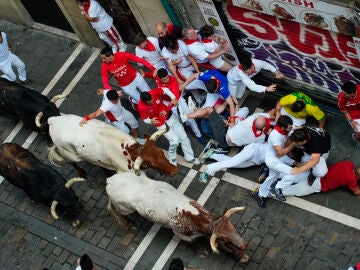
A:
x,y
103,145
162,203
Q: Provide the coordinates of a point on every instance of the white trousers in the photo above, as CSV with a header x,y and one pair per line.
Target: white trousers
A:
x,y
113,39
276,167
237,89
176,135
132,88
301,186
8,72
127,118
249,156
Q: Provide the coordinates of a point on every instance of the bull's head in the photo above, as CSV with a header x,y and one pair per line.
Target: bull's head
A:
x,y
67,203
154,157
225,236
47,112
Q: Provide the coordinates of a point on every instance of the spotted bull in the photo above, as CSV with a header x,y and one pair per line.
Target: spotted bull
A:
x,y
104,146
161,203
21,103
41,182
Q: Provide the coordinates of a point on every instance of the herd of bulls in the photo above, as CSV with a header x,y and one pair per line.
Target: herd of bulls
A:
x,y
103,145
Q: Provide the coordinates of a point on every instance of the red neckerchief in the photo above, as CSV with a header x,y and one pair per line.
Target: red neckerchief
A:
x,y
149,46
189,42
170,27
218,82
257,132
278,129
87,6
206,40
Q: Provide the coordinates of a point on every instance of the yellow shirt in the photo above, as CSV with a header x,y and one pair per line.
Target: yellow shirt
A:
x,y
311,109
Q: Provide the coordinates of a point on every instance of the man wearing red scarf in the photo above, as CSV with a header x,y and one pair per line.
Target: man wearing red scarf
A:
x,y
276,156
167,32
148,48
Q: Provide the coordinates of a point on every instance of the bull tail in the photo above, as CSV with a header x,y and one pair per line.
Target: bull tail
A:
x,y
120,220
54,157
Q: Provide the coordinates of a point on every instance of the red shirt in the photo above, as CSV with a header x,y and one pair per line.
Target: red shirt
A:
x,y
351,105
121,69
151,111
339,175
173,85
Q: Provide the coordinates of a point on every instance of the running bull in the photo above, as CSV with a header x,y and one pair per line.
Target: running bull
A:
x,y
162,203
104,145
41,182
27,105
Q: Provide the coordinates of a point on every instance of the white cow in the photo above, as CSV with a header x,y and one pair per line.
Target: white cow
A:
x,y
103,145
161,203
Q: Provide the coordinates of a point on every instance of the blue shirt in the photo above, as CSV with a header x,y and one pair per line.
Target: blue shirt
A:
x,y
223,88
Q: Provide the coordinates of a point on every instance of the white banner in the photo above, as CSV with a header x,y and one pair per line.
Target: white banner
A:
x,y
357,46
311,12
212,17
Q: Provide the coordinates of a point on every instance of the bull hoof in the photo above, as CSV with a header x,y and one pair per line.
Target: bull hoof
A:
x,y
76,223
202,253
245,258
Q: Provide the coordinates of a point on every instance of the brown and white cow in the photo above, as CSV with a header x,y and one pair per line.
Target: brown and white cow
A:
x,y
162,203
104,145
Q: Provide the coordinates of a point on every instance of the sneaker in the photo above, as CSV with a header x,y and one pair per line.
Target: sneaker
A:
x,y
173,161
221,150
277,193
260,200
203,177
141,141
208,146
191,104
311,178
133,103
123,47
26,82
114,49
264,172
182,114
208,154
202,140
194,161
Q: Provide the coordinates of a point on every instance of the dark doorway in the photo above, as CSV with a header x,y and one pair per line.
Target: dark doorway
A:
x,y
47,12
124,20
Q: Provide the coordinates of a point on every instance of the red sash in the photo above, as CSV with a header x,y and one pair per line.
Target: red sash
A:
x,y
110,116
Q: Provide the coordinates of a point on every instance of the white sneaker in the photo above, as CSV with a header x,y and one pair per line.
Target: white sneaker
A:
x,y
173,161
114,49
123,47
182,114
191,104
194,161
141,141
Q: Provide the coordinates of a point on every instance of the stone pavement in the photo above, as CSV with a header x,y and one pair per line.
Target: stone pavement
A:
x,y
281,236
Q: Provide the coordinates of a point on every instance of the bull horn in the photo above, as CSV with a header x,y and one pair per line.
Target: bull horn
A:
x,y
233,210
53,209
73,180
37,119
158,133
137,165
57,97
213,243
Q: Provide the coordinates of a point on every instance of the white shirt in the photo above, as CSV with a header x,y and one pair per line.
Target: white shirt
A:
x,y
275,139
197,51
116,110
4,49
105,20
237,76
153,57
242,134
181,53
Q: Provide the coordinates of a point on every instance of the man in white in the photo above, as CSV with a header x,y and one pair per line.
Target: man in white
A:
x,y
182,66
114,112
102,22
197,50
8,59
239,77
275,151
252,154
149,49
